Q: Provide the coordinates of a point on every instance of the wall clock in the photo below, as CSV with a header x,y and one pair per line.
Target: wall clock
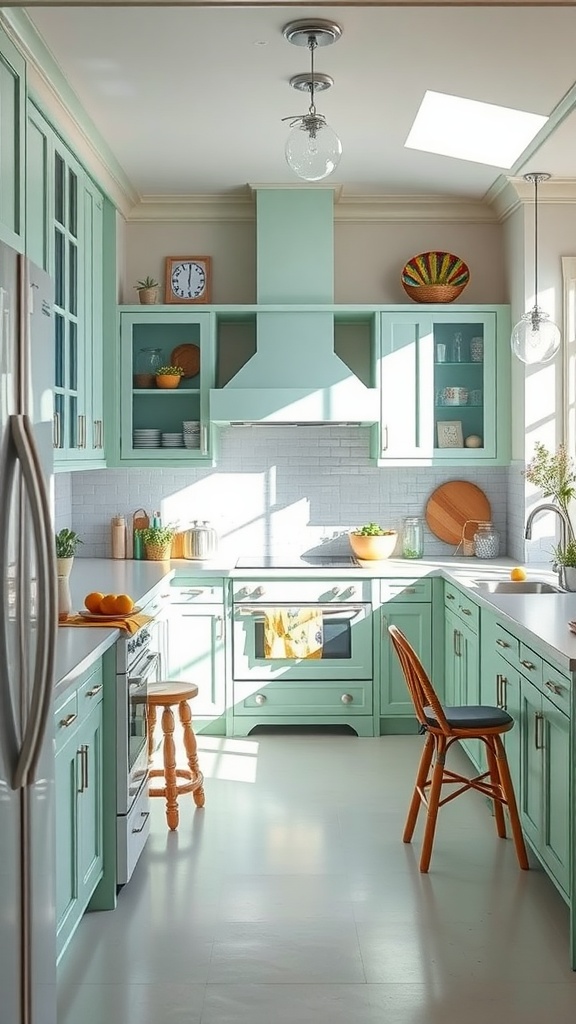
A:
x,y
188,278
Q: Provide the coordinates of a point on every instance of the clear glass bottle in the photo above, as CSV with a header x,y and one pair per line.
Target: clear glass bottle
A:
x,y
457,348
148,360
486,541
413,538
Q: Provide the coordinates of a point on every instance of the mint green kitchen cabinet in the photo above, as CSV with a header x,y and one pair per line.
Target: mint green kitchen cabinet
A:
x,y
407,605
148,407
196,647
537,694
64,235
429,361
79,801
544,772
12,144
462,658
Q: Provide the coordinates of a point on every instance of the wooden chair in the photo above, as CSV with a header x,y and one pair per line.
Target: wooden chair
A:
x,y
166,695
443,727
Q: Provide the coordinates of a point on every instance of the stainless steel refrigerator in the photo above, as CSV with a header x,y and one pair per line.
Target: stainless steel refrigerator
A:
x,y
28,623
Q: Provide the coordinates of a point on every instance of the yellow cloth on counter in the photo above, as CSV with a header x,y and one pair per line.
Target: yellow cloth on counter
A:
x,y
131,624
293,633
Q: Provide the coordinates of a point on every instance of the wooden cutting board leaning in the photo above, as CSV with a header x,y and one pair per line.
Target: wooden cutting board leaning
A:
x,y
454,509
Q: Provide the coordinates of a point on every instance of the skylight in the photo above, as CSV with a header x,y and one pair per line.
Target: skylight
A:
x,y
470,130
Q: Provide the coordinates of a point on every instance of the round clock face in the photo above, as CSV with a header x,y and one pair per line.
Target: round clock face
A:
x,y
188,280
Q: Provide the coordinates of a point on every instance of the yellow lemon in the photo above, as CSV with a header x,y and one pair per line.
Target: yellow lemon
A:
x,y
517,574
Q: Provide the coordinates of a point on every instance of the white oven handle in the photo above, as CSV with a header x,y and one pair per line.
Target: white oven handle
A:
x,y
145,672
350,611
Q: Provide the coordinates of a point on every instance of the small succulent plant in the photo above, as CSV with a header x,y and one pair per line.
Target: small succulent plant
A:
x,y
66,543
170,371
148,282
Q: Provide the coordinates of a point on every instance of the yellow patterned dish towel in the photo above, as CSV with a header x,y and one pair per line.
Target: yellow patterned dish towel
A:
x,y
293,633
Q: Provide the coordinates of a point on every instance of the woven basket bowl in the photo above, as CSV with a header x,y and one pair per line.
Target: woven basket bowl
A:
x,y
433,292
158,552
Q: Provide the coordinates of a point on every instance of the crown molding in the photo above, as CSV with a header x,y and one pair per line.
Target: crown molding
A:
x,y
348,208
509,193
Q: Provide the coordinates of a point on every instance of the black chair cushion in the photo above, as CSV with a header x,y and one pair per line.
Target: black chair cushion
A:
x,y
474,717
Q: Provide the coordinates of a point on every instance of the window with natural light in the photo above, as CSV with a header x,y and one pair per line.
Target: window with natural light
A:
x,y
470,130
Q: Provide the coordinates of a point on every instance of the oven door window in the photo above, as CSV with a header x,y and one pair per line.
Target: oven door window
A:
x,y
346,650
337,644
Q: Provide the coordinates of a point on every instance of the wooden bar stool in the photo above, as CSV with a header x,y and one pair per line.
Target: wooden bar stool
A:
x,y
165,695
444,726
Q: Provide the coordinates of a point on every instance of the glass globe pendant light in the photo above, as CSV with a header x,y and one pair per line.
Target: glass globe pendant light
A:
x,y
313,149
535,338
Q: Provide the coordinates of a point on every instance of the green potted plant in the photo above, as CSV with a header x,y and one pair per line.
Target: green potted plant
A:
x,y
157,541
372,542
169,376
147,291
567,557
66,543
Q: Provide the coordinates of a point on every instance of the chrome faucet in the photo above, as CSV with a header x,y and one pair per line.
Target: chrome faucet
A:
x,y
566,534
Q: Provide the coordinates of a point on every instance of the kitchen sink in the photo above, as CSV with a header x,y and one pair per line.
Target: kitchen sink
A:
x,y
521,587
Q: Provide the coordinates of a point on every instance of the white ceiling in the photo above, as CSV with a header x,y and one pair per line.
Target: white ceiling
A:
x,y
190,100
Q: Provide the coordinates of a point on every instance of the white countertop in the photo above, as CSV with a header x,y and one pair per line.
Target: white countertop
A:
x,y
541,618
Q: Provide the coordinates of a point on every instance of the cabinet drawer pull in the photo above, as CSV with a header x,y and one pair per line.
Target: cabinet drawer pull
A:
x,y
465,611
450,597
347,698
259,699
538,736
384,437
502,643
145,815
94,690
66,722
219,627
528,664
501,691
555,687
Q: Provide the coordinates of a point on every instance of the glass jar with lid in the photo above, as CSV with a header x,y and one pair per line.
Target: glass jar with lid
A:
x,y
486,541
148,360
412,537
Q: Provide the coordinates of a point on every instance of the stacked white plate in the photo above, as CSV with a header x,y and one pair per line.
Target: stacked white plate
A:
x,y
191,435
146,438
172,440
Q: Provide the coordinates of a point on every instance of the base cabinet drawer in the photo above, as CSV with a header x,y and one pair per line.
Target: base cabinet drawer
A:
x,y
333,698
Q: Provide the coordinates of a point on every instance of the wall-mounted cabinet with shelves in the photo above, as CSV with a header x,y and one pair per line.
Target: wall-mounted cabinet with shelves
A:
x,y
64,235
152,336
444,385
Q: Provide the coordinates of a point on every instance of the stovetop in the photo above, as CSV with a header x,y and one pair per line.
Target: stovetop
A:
x,y
297,562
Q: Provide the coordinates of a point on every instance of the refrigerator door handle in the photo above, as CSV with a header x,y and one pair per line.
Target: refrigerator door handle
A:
x,y
42,693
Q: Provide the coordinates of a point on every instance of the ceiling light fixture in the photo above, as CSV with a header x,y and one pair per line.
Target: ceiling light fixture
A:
x,y
535,338
313,149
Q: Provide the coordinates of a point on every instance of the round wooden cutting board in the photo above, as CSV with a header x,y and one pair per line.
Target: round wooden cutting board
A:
x,y
452,505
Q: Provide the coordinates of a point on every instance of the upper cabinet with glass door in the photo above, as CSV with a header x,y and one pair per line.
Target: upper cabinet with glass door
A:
x,y
12,143
164,425
445,386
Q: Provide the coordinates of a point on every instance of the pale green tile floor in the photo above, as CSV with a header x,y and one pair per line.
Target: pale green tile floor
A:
x,y
291,899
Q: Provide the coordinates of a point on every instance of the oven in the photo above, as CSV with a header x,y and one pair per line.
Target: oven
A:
x,y
345,612
138,663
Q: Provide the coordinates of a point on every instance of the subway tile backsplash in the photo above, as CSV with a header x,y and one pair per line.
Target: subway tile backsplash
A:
x,y
278,489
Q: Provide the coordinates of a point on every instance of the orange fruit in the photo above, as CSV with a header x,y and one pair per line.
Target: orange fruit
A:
x,y
92,601
124,604
517,573
108,605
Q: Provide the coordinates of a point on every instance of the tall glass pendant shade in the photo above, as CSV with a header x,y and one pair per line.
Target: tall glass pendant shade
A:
x,y
535,338
313,154
312,149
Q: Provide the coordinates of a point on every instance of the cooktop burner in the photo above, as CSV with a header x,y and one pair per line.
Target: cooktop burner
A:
x,y
297,562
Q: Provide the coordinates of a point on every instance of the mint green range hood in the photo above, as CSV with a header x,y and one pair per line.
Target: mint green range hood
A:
x,y
295,376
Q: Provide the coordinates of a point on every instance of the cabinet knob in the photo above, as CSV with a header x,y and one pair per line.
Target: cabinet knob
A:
x,y
94,690
529,665
259,592
260,699
347,698
555,687
335,591
66,722
502,643
465,611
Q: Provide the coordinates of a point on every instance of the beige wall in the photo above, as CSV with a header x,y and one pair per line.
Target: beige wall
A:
x,y
369,257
